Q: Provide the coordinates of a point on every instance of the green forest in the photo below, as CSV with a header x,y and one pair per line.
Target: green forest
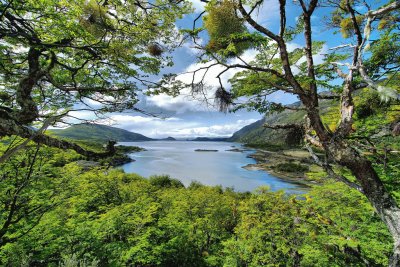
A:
x,y
66,201
67,216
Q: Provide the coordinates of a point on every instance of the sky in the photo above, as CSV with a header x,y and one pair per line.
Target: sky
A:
x,y
188,117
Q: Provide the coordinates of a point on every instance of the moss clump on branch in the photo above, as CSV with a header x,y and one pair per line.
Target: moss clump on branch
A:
x,y
225,29
155,50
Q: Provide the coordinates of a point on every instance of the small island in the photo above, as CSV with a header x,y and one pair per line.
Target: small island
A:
x,y
206,150
169,138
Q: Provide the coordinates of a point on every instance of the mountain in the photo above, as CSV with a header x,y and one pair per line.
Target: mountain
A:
x,y
255,133
169,138
96,132
210,139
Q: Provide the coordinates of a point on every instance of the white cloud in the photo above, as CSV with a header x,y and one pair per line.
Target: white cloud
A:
x,y
180,104
190,47
122,119
198,6
213,130
203,101
173,126
189,102
127,120
267,14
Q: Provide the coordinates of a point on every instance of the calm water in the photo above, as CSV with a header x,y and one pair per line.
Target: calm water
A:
x,y
179,160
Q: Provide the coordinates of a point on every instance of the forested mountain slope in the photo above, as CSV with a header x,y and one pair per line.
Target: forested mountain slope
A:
x,y
256,133
96,132
372,117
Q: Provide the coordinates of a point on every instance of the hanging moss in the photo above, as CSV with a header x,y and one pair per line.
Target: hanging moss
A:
x,y
155,50
346,26
223,99
95,18
225,29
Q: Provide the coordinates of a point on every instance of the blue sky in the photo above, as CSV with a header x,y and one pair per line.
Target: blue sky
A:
x,y
185,116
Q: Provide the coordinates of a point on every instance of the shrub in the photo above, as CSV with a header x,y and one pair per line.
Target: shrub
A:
x,y
291,167
163,181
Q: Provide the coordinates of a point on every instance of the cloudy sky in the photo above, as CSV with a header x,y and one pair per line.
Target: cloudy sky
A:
x,y
185,117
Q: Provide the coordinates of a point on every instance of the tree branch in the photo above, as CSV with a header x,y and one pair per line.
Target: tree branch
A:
x,y
384,10
328,169
9,127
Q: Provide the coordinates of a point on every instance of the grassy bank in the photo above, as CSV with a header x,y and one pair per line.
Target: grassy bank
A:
x,y
293,164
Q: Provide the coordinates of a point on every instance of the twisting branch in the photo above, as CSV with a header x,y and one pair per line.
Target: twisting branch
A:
x,y
308,49
347,105
384,10
336,97
5,9
254,68
9,127
40,74
255,25
313,140
328,169
346,101
284,55
15,149
282,5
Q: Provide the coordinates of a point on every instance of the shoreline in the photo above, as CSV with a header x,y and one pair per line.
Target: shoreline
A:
x,y
288,165
269,161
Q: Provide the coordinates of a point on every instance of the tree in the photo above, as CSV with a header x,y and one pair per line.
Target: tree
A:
x,y
278,229
30,187
55,54
360,63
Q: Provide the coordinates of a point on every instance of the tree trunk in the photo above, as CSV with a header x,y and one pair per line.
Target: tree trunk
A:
x,y
395,259
373,188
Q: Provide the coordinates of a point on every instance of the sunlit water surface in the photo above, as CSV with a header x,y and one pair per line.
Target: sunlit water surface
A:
x,y
180,160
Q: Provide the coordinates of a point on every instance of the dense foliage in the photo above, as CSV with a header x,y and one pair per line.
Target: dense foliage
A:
x,y
224,27
60,210
94,56
357,49
63,214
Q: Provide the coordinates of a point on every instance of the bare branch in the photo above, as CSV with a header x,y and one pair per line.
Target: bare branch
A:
x,y
342,46
384,10
282,47
282,4
255,25
328,169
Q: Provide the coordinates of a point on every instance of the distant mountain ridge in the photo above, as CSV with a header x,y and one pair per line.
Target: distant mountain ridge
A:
x,y
255,133
169,138
207,139
97,132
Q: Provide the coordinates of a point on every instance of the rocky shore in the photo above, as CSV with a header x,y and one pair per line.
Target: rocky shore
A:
x,y
293,165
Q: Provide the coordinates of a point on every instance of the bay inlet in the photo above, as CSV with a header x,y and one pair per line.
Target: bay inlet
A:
x,y
180,160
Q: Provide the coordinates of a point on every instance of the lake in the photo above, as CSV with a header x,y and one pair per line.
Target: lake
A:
x,y
180,160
